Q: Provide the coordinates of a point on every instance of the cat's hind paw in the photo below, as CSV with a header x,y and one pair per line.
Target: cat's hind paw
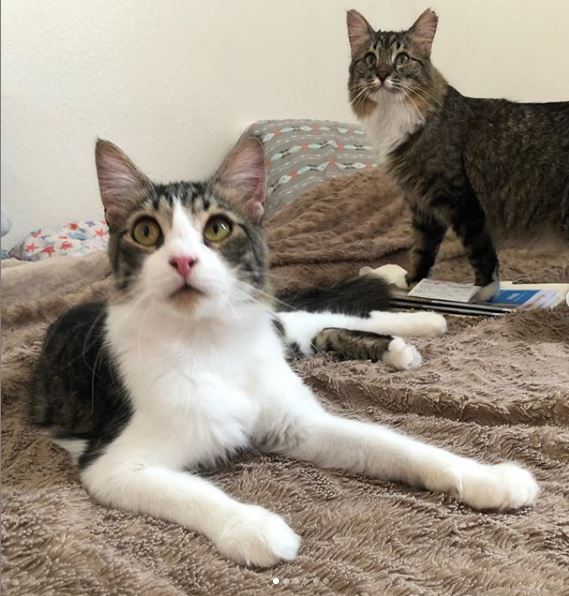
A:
x,y
401,355
408,324
428,324
392,274
256,537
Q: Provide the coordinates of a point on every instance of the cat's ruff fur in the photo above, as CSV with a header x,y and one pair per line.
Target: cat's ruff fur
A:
x,y
193,383
391,124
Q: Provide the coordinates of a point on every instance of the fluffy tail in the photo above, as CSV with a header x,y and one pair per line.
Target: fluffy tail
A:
x,y
356,296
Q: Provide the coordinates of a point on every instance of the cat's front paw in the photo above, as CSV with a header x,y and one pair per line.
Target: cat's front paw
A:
x,y
486,292
502,487
256,537
401,355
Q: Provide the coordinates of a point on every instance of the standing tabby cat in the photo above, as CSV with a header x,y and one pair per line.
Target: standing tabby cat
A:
x,y
490,169
185,366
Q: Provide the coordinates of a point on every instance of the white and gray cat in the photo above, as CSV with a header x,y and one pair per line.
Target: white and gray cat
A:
x,y
185,365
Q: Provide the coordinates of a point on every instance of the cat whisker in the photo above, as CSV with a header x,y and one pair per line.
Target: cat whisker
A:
x,y
248,294
359,97
413,103
409,95
273,298
275,314
422,93
362,84
284,338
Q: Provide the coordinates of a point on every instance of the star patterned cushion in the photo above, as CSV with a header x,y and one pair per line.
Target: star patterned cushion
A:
x,y
76,239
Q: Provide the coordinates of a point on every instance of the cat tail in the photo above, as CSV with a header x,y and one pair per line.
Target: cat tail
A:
x,y
357,296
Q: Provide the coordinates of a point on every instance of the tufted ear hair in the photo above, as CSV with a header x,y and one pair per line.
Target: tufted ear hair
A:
x,y
243,174
423,30
359,32
121,184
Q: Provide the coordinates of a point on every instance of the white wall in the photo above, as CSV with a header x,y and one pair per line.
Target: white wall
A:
x,y
174,82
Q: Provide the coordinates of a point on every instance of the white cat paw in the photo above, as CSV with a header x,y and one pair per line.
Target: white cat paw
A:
x,y
502,487
256,537
486,292
393,274
401,355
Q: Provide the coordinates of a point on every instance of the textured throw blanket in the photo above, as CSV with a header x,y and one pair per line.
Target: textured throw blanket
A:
x,y
492,388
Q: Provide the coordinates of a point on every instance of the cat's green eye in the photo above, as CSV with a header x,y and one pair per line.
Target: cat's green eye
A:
x,y
147,232
370,59
402,58
217,229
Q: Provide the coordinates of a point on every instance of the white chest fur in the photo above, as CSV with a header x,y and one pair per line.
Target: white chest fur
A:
x,y
192,389
391,123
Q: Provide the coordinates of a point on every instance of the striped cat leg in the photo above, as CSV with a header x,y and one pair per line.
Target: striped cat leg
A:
x,y
469,223
428,236
347,344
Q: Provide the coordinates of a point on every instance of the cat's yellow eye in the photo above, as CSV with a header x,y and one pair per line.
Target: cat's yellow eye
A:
x,y
402,58
217,229
147,232
370,59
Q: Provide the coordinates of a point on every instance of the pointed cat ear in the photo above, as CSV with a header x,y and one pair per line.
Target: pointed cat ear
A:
x,y
359,32
121,184
424,29
243,175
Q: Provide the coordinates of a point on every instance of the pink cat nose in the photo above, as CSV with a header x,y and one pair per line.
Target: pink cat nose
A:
x,y
183,265
383,73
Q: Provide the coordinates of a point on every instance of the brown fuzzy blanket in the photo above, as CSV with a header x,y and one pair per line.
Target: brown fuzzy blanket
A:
x,y
492,388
